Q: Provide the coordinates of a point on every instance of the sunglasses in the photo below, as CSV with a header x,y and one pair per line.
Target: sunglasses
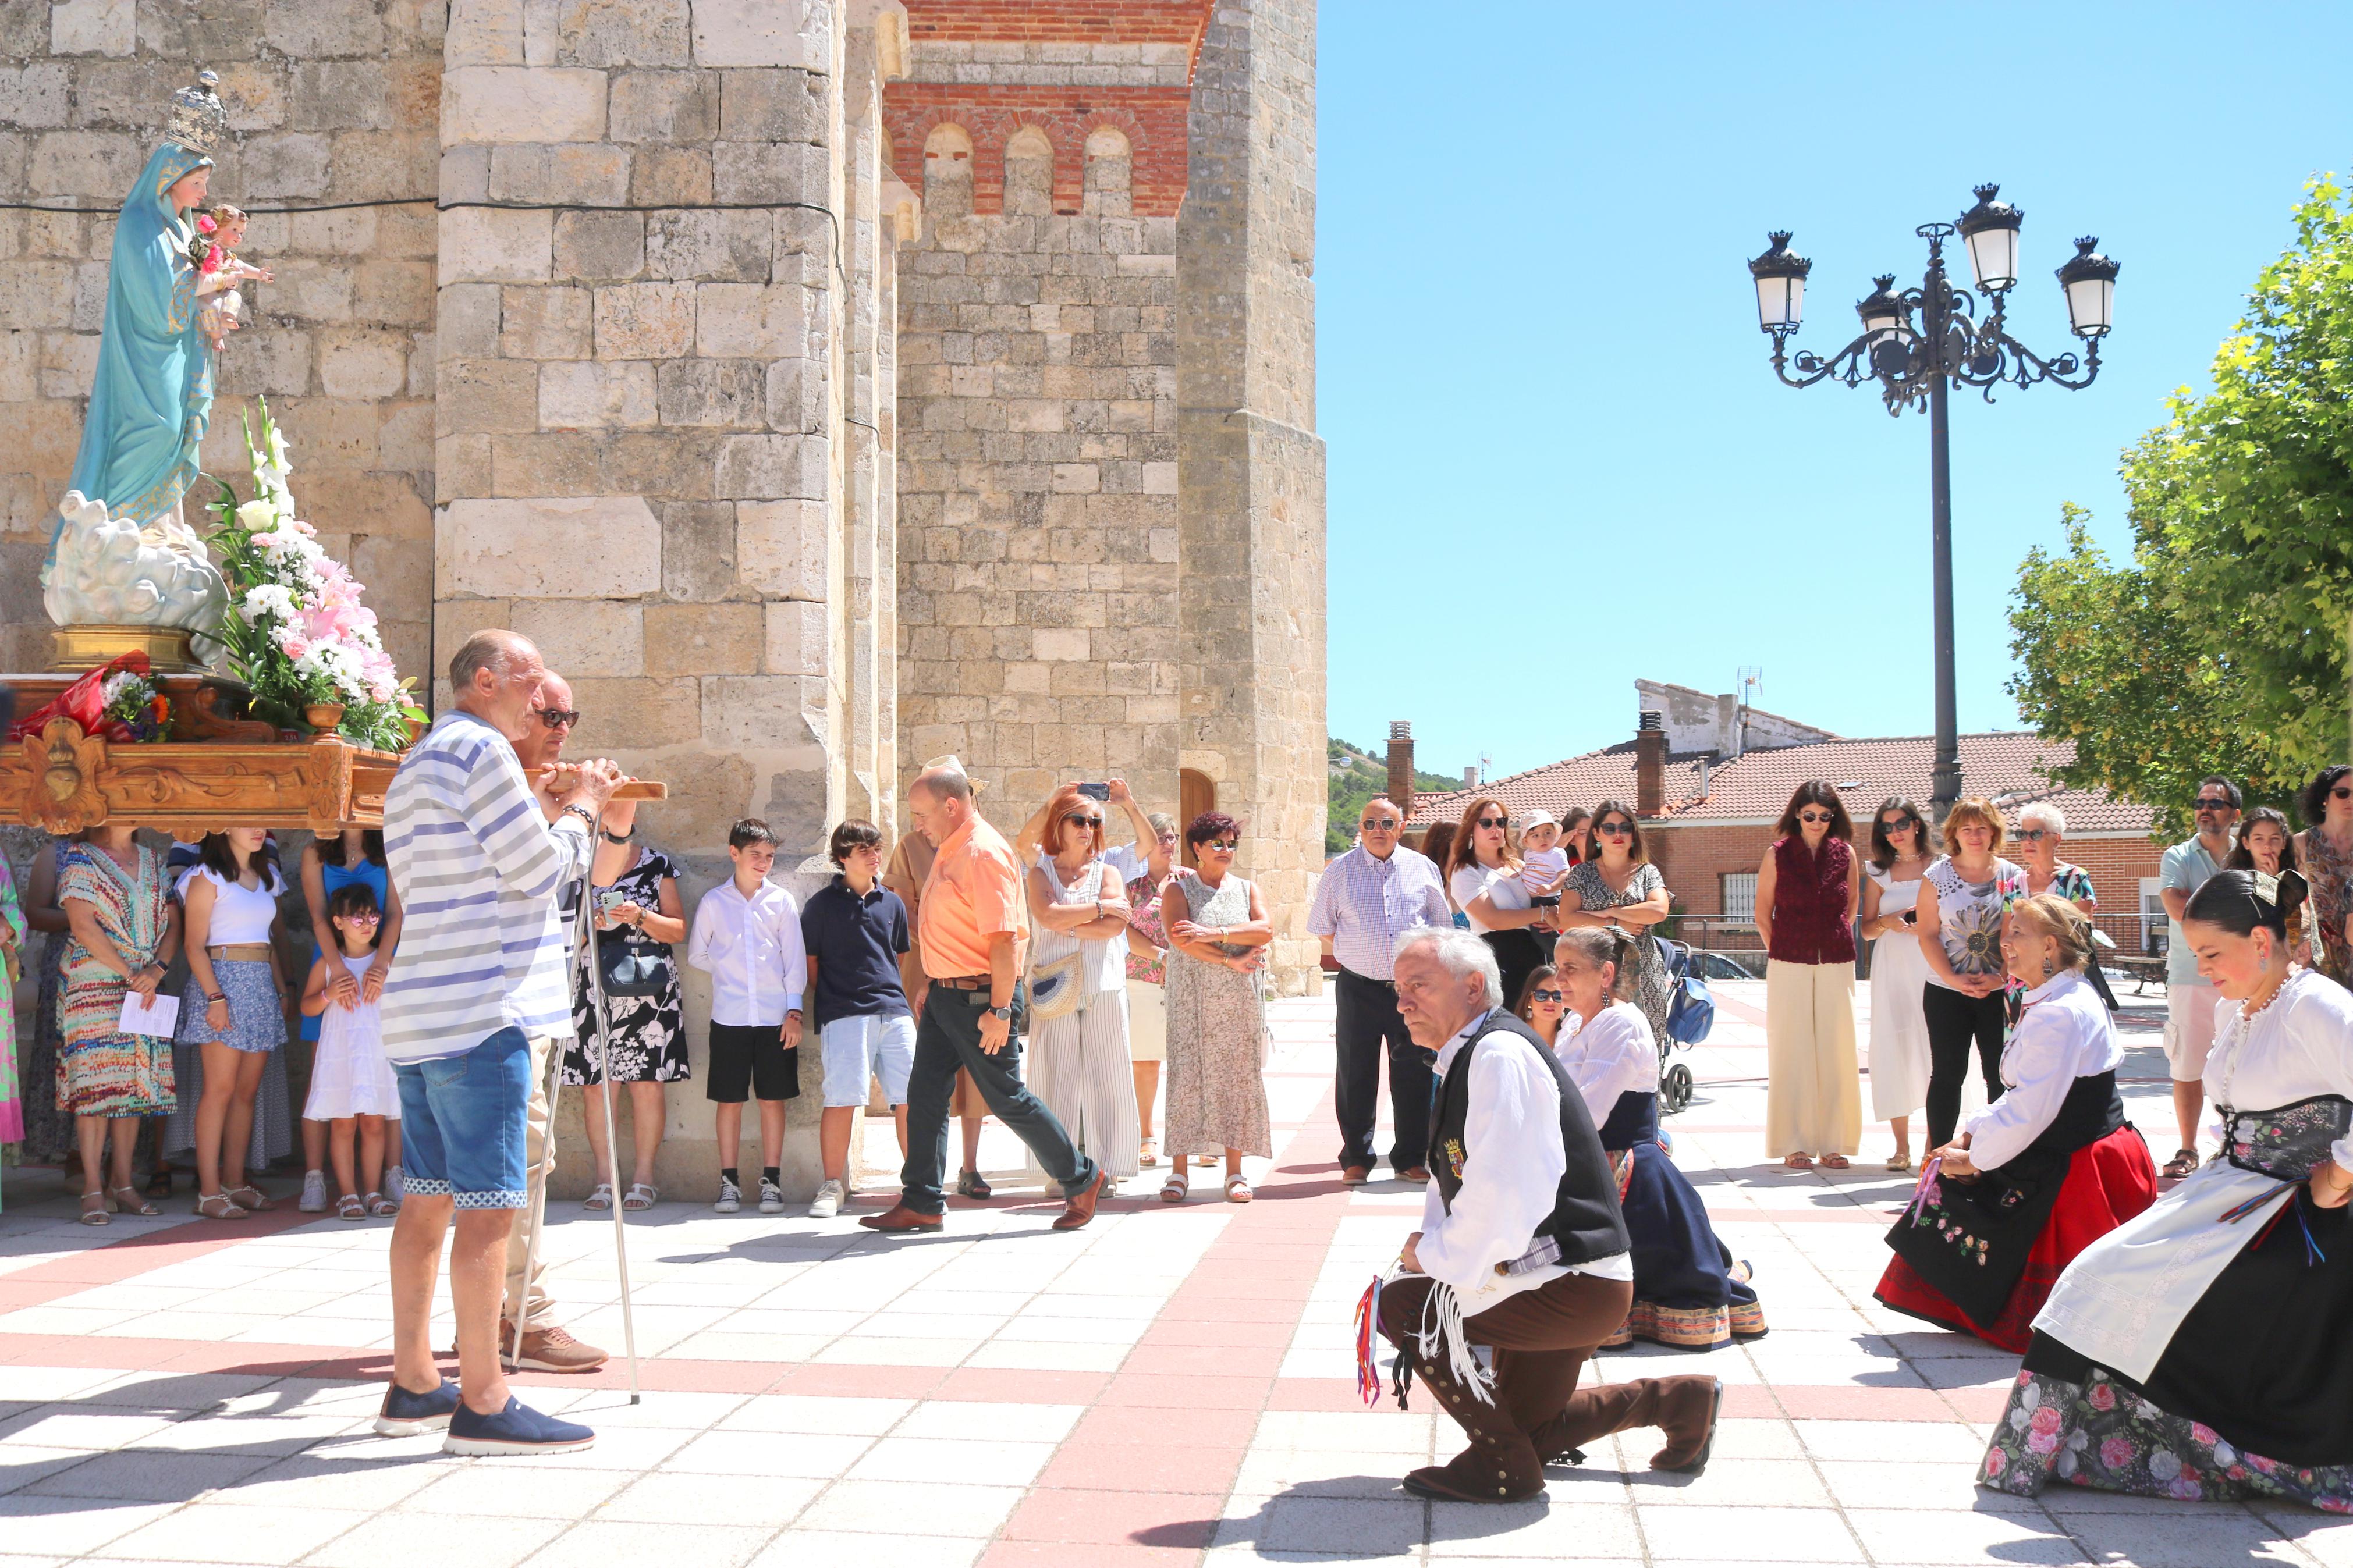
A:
x,y
1228,845
2342,792
1814,817
558,718
2208,802
1494,822
1615,829
1549,995
1901,825
1083,820
1382,825
365,918
2031,836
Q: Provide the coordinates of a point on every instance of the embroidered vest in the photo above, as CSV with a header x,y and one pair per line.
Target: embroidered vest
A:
x,y
1584,1223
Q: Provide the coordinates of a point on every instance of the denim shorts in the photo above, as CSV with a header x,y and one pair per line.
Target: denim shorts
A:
x,y
462,1121
856,1048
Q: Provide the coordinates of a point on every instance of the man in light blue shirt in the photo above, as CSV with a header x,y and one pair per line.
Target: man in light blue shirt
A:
x,y
1368,897
2189,998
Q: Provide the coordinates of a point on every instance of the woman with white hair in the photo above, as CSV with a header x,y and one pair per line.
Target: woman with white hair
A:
x,y
2041,827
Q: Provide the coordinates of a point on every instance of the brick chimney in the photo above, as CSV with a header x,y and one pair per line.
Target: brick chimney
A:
x,y
1401,766
1650,765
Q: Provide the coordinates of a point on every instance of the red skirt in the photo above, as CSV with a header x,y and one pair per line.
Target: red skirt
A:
x,y
2107,1183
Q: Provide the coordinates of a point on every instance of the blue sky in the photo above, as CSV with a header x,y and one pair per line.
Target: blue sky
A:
x,y
1559,458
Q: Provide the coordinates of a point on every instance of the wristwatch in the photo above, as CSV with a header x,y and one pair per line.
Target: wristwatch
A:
x,y
1005,1012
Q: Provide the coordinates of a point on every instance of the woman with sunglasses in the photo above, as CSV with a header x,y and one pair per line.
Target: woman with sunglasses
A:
x,y
1078,1057
1806,894
1689,1294
1619,888
1898,1052
1482,872
1963,899
2323,855
1218,935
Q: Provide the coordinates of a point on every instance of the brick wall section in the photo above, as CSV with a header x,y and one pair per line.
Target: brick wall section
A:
x,y
1152,119
1037,475
1083,22
330,100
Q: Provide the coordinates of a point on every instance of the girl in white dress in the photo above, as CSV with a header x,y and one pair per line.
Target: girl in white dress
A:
x,y
1898,1055
351,1086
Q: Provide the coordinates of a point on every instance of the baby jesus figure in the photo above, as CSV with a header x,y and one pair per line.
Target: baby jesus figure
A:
x,y
219,270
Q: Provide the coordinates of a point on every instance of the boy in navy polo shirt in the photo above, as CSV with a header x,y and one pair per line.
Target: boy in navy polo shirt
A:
x,y
855,928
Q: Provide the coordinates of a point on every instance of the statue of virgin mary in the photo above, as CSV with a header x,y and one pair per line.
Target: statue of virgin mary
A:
x,y
121,554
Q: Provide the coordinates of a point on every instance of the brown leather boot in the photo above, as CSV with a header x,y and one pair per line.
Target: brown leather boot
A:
x,y
903,1221
1688,1407
1082,1204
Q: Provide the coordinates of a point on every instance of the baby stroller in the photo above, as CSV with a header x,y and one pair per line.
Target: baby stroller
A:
x,y
1690,1016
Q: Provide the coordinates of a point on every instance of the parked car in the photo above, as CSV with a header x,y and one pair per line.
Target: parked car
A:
x,y
1710,965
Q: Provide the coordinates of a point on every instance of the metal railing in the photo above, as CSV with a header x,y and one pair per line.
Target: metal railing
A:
x,y
2139,951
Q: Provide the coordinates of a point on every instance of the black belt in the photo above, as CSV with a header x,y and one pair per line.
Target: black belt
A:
x,y
1384,984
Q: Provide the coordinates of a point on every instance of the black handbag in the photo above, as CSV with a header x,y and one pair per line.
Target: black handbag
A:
x,y
632,966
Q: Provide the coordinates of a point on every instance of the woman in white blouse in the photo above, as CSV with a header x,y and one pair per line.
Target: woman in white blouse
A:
x,y
2199,1352
1688,1291
2032,1179
1482,873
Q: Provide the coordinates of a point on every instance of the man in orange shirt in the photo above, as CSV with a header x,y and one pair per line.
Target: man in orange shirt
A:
x,y
970,924
910,869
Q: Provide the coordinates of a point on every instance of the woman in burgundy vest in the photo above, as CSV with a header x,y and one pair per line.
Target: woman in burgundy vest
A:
x,y
1806,894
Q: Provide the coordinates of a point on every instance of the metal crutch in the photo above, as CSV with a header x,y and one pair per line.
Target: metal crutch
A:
x,y
586,951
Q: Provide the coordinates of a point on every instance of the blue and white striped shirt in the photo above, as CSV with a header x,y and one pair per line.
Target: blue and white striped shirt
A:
x,y
478,868
1363,905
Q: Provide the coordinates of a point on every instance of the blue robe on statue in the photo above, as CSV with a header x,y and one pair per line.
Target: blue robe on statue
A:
x,y
154,394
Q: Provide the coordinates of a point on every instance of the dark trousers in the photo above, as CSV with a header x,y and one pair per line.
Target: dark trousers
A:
x,y
949,1038
1954,1020
1365,1020
1542,1339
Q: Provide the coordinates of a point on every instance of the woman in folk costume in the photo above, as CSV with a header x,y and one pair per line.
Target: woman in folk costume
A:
x,y
1688,1291
2199,1352
1521,1248
2041,1174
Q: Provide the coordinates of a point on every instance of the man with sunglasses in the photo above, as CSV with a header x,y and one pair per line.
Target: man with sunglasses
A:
x,y
2189,998
1368,899
545,1345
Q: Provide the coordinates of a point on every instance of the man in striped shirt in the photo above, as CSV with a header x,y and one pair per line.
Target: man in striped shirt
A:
x,y
476,858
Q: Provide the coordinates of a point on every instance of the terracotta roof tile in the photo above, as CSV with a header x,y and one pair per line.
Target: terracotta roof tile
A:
x,y
2001,765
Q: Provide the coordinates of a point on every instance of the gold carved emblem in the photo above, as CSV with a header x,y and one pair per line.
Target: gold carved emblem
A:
x,y
64,764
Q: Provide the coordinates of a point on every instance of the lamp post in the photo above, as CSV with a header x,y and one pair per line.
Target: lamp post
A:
x,y
1917,364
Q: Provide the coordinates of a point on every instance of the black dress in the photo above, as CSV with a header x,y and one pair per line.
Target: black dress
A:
x,y
648,1044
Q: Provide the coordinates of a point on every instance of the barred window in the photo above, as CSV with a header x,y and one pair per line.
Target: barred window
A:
x,y
1739,895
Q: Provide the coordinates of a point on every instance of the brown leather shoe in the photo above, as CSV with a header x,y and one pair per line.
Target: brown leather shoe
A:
x,y
1356,1175
904,1221
1417,1175
1083,1206
550,1349
1688,1407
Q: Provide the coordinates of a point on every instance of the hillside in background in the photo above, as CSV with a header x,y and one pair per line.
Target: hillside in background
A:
x,y
1355,776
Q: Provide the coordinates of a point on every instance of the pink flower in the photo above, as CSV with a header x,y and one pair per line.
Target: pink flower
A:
x,y
2041,1442
2204,1434
2186,1487
297,646
2266,1466
2116,1453
2103,1396
2046,1419
205,225
1995,1461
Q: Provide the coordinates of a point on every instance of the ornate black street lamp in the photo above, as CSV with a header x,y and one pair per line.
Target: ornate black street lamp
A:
x,y
1915,364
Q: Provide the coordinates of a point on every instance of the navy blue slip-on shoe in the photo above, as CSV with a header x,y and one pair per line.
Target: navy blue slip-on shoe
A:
x,y
517,1429
404,1415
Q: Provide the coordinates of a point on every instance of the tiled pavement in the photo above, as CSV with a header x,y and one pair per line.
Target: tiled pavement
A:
x,y
1164,1387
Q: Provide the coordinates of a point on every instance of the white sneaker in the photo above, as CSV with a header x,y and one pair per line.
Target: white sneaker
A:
x,y
315,1192
731,1197
395,1183
829,1199
771,1197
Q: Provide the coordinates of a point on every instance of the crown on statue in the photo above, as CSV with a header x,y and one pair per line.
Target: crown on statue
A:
x,y
198,121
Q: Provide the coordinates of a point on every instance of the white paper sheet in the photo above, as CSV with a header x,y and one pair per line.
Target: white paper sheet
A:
x,y
154,1014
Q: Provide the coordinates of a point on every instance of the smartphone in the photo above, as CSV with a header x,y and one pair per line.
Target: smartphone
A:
x,y
1911,917
1096,791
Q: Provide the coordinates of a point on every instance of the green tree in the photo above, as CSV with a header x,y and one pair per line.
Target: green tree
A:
x,y
2221,646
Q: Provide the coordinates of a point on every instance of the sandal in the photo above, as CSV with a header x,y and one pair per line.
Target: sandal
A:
x,y
971,1184
93,1215
349,1206
380,1206
2184,1162
640,1197
251,1199
159,1186
1835,1161
219,1206
126,1200
1238,1191
1899,1162
1177,1188
1149,1155
1798,1163
600,1199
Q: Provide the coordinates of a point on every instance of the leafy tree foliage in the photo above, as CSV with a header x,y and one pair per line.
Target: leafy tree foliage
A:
x,y
2221,646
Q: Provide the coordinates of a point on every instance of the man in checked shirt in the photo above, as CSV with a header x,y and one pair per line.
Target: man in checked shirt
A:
x,y
1368,897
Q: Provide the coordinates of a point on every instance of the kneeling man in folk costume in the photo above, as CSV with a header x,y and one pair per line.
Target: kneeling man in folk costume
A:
x,y
1522,1249
2041,1174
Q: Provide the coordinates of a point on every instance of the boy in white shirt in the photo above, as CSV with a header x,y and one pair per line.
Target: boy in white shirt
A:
x,y
747,938
1544,865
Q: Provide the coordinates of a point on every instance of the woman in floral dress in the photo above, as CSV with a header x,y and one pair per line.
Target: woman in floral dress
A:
x,y
647,1047
1218,934
1620,888
49,1131
12,948
2323,854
